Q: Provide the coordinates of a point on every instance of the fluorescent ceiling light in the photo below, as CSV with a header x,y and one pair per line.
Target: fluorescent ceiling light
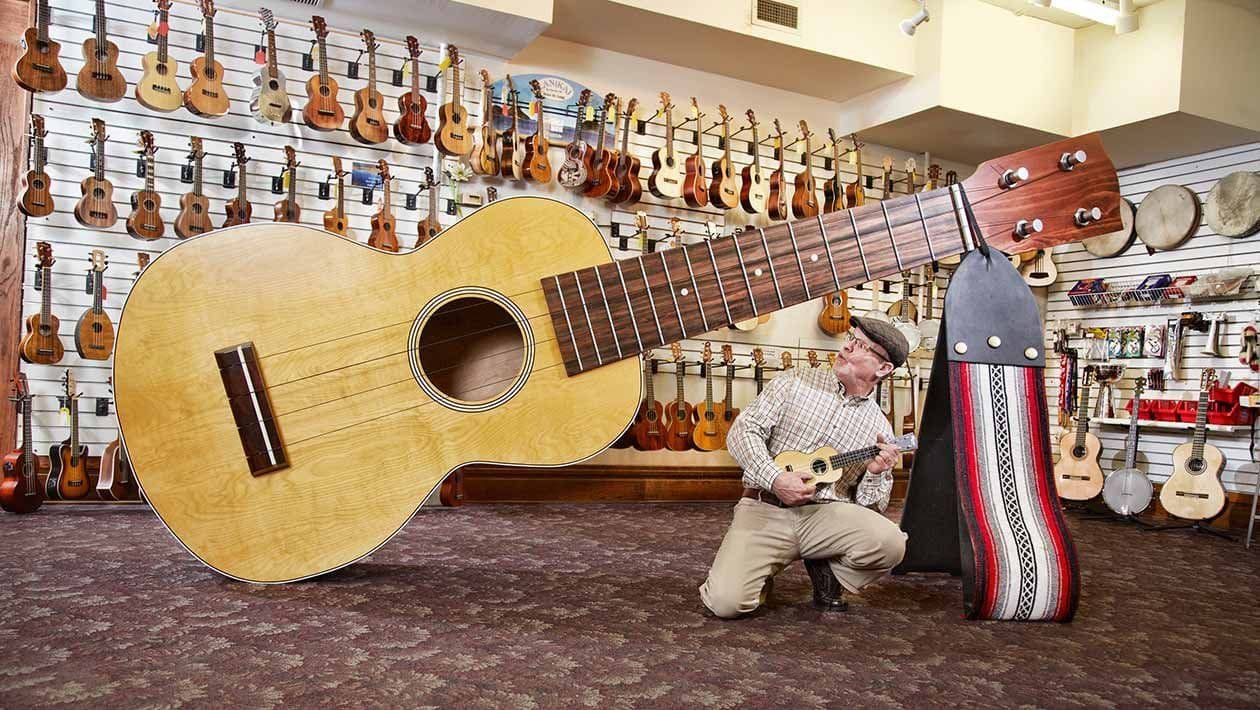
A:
x,y
1089,9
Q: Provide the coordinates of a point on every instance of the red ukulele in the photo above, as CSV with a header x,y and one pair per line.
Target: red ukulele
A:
x,y
20,491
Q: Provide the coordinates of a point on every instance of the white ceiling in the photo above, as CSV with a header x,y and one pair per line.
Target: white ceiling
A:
x,y
1067,19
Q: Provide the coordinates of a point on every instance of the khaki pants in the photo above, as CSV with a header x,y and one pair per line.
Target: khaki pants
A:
x,y
860,543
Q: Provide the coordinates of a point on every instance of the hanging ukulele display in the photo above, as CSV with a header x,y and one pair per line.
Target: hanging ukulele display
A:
x,y
368,124
537,165
754,192
323,110
145,220
99,79
269,101
42,343
666,180
429,227
37,199
20,490
94,333
453,137
238,209
194,207
288,209
96,208
679,415
805,197
724,188
158,89
335,219
412,127
383,235
206,96
39,68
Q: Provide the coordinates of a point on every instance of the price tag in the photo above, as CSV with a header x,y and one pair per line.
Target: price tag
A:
x,y
260,55
444,64
65,413
853,158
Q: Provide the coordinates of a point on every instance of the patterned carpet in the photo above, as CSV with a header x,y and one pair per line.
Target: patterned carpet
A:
x,y
570,606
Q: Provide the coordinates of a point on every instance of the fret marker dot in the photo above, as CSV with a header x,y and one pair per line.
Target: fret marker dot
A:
x,y
756,272
813,257
683,292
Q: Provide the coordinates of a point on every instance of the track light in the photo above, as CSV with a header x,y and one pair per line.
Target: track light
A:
x,y
1123,19
908,26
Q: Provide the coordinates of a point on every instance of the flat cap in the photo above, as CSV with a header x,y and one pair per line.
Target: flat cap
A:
x,y
886,336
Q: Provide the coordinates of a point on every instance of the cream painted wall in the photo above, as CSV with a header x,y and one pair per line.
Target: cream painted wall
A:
x,y
1221,58
539,10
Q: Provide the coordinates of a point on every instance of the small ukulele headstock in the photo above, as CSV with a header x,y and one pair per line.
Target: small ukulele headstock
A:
x,y
268,19
675,351
887,164
485,78
665,102
752,118
536,87
369,40
207,8
641,222
37,125
195,150
934,177
695,108
239,150
912,176
813,358
1207,379
142,260
630,108
726,117
759,358
584,98
786,360
290,157
68,382
805,134
44,252
428,177
147,145
319,26
99,260
675,231
831,359
21,391
98,131
163,5
707,354
337,169
728,354
382,167
413,47
778,131
1139,386
452,53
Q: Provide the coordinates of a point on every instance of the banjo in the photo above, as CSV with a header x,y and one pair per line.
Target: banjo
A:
x,y
1168,216
1128,490
1233,205
1118,242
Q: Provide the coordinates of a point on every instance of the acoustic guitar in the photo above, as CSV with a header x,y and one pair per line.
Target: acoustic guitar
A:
x,y
99,79
20,490
412,127
1077,475
67,473
603,164
486,156
158,89
680,416
649,429
39,68
1194,490
825,465
708,435
537,165
238,209
335,219
430,226
777,207
96,207
856,190
384,236
94,333
288,209
206,96
1128,491
629,189
322,111
572,172
805,196
145,221
728,412
834,318
194,207
487,320
368,124
754,191
833,189
695,189
115,480
724,188
453,137
269,101
666,180
37,198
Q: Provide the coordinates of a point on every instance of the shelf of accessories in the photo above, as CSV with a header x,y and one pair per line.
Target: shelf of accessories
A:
x,y
1158,289
1156,424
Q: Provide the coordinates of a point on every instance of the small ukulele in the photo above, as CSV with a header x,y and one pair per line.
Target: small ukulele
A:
x,y
383,236
695,190
145,221
288,209
94,333
708,434
412,127
42,344
238,209
667,176
833,189
37,199
805,196
826,465
194,206
572,172
453,137
728,412
629,188
834,318
368,124
537,166
429,227
269,101
754,191
158,89
206,95
856,190
680,416
759,369
778,202
99,79
20,491
67,472
602,168
649,432
724,189
39,67
335,219
323,111
486,156
96,207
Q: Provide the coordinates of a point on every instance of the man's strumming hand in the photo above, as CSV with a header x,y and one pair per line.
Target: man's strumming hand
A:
x,y
793,488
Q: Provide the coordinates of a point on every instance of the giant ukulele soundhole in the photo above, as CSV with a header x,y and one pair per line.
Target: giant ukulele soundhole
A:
x,y
471,350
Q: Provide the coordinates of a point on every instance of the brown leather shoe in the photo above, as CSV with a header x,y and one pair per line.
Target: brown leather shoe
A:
x,y
828,594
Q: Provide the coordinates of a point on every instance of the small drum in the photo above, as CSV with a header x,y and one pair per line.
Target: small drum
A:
x,y
1118,242
1233,205
1168,216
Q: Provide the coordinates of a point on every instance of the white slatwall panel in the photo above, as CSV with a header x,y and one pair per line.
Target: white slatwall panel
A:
x,y
1204,252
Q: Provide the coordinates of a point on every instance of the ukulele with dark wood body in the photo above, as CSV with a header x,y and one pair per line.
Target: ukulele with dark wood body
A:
x,y
680,416
67,472
629,187
94,333
288,209
37,199
116,480
412,127
833,189
453,137
695,190
20,491
728,412
708,434
603,165
99,79
39,67
96,207
486,157
512,162
649,430
805,196
777,207
537,165
194,206
238,209
368,124
145,220
384,236
206,96
323,111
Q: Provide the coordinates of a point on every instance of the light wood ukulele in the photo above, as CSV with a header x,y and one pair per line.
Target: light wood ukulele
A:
x,y
708,434
430,226
39,68
335,219
194,206
486,156
288,209
37,199
384,236
145,221
1194,490
537,165
368,124
453,137
856,190
412,127
206,96
724,188
96,208
827,465
269,101
323,112
1077,475
99,79
67,470
158,89
238,209
680,416
42,343
754,191
94,333
666,180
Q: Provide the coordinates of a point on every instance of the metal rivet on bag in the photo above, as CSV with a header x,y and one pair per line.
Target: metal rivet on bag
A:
x,y
995,342
1031,353
960,347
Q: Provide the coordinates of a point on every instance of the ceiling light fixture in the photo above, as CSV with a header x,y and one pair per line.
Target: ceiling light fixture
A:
x,y
1123,19
909,25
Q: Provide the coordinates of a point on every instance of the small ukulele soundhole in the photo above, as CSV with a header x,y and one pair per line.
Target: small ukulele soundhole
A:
x,y
471,349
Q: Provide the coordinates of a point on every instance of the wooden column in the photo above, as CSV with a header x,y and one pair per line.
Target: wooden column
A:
x,y
15,17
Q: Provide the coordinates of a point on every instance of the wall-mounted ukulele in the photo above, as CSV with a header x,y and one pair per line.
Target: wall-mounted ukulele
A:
x,y
37,199
99,79
368,124
194,206
145,220
39,67
754,190
834,318
335,219
269,101
680,416
206,96
238,209
1194,490
729,412
708,434
94,333
20,491
537,165
1128,491
603,164
805,197
778,201
512,159
486,156
288,209
42,343
629,188
642,230
856,190
96,207
759,369
724,188
1040,269
886,181
453,136
158,89
785,358
695,187
383,235
666,180
1077,475
323,111
833,189
929,326
116,480
430,227
412,127
572,172
67,472
649,432
912,175
812,356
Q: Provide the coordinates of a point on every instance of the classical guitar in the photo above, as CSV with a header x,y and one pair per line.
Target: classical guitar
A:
x,y
368,124
430,226
833,189
412,127
1040,269
827,465
728,412
238,209
96,207
629,188
485,159
453,137
145,220
206,96
1194,490
384,236
805,196
708,434
158,89
39,67
335,219
856,190
777,207
1128,491
194,206
1077,475
94,333
99,79
680,416
724,188
269,101
322,111
666,180
37,199
537,165
288,209
695,189
20,490
649,430
487,322
754,192
67,472
834,318
572,173
603,165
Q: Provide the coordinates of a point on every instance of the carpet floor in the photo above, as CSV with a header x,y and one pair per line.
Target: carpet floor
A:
x,y
596,605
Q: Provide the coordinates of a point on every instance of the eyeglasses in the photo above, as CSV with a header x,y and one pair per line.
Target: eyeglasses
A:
x,y
863,343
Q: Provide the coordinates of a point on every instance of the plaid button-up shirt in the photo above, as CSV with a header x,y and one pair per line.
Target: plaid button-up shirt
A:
x,y
802,410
